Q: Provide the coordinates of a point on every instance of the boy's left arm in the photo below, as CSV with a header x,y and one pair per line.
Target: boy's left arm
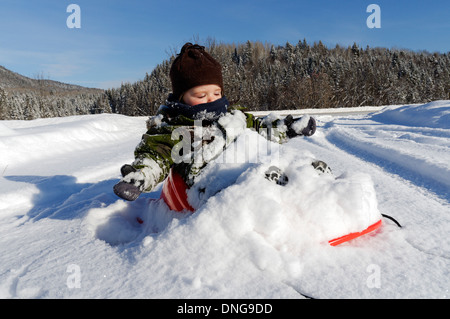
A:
x,y
280,130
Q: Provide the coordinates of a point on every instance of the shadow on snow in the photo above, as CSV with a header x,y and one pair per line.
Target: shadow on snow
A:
x,y
112,219
61,197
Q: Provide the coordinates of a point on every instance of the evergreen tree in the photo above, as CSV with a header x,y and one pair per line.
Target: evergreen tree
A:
x,y
3,104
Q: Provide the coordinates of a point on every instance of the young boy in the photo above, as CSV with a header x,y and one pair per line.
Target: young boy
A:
x,y
197,104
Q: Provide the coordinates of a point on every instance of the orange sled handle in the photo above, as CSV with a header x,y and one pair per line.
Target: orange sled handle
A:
x,y
343,239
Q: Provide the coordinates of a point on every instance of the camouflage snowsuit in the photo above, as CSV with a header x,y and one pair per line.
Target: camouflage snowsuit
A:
x,y
187,142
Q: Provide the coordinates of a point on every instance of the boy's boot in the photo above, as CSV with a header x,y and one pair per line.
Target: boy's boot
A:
x,y
276,175
322,167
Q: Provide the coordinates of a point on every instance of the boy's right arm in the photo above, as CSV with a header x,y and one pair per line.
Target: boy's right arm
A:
x,y
153,157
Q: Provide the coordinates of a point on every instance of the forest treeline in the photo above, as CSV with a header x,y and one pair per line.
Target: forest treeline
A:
x,y
268,77
23,98
31,104
262,76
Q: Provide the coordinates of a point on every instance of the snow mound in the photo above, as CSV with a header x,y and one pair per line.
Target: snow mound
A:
x,y
243,221
312,207
236,204
434,114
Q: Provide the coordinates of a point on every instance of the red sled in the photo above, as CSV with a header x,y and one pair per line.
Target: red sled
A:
x,y
174,192
175,196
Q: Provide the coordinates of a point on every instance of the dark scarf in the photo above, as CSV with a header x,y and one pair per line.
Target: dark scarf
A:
x,y
209,112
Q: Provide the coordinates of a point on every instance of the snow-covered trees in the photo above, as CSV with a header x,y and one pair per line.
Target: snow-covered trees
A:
x,y
30,104
3,103
262,76
268,77
142,97
23,98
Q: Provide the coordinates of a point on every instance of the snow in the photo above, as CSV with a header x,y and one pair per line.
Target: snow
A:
x,y
64,234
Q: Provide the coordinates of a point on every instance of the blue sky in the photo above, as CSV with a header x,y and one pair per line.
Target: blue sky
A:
x,y
119,41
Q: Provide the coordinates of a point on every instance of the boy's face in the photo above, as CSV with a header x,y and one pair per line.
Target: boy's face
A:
x,y
202,94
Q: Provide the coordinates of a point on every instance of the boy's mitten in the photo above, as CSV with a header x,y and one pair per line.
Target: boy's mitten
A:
x,y
127,169
131,185
127,191
306,125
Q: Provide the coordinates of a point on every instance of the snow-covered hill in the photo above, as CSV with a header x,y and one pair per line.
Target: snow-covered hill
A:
x,y
64,234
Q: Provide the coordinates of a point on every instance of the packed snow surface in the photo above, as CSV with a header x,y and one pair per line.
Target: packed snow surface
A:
x,y
64,234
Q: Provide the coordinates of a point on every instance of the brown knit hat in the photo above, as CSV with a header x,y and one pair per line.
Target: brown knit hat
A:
x,y
192,67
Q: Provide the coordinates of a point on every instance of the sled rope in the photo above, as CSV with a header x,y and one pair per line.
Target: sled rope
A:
x,y
392,218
